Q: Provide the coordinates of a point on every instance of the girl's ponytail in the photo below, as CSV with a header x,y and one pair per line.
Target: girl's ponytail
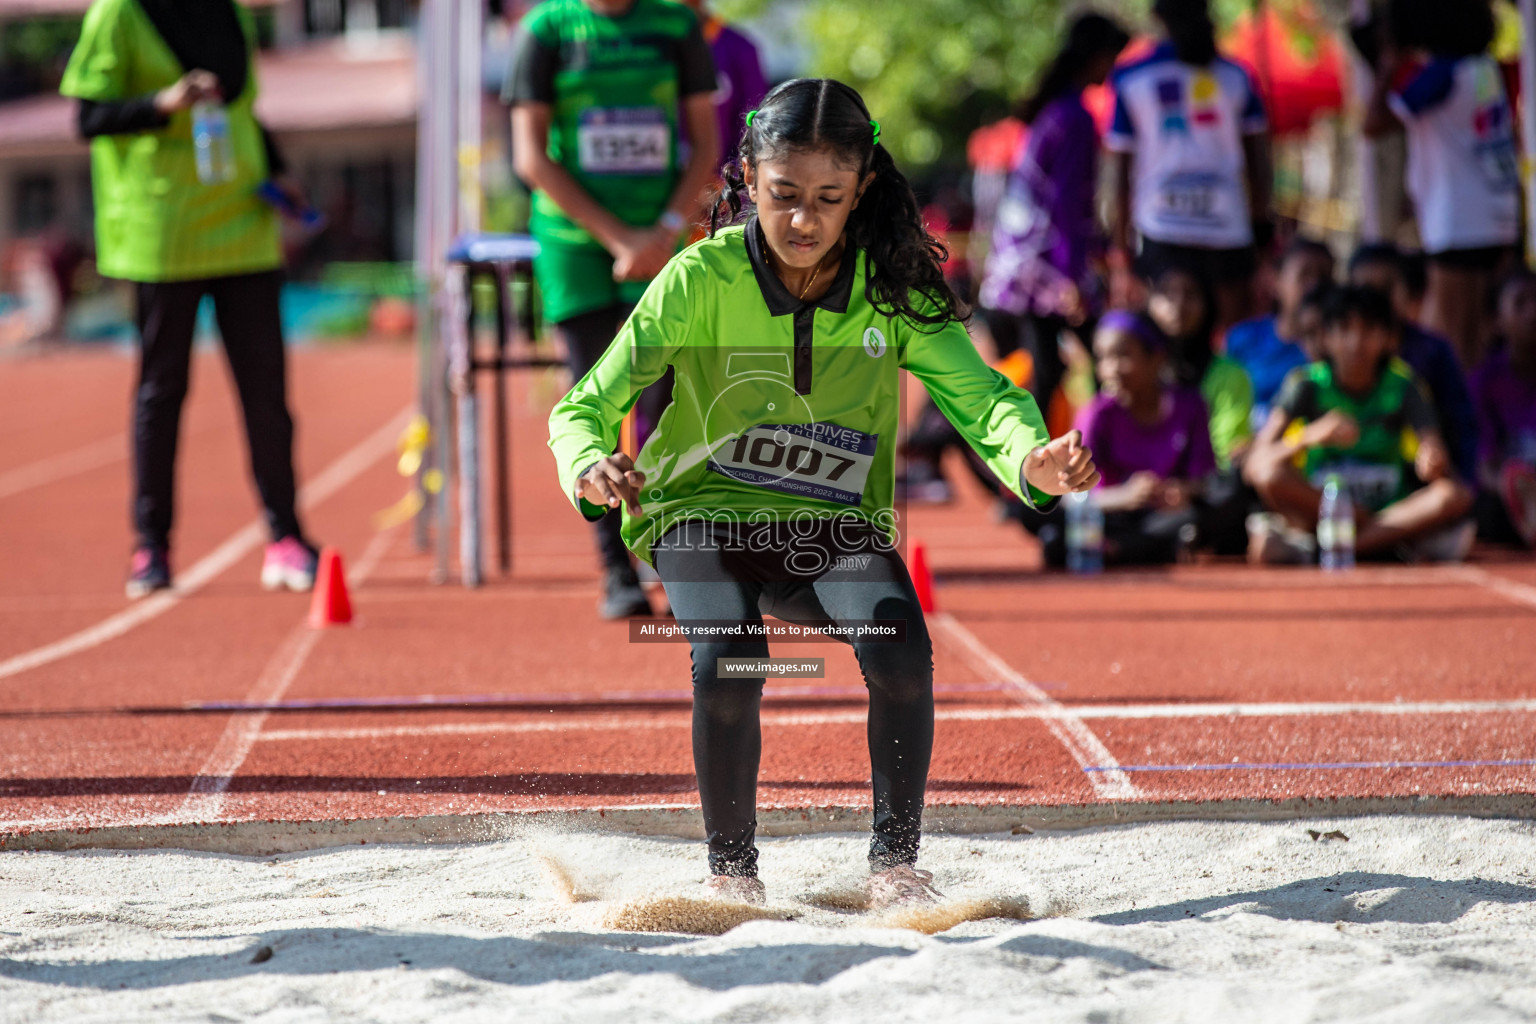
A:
x,y
903,257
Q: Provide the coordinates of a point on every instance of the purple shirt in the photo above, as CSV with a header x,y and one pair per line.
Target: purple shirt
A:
x,y
1506,412
742,83
1046,228
1177,447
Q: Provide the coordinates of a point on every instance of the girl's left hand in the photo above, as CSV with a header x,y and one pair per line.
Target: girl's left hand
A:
x,y
1063,466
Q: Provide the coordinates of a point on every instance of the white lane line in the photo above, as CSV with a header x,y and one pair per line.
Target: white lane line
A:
x,y
205,802
57,467
1520,593
332,479
1086,748
627,721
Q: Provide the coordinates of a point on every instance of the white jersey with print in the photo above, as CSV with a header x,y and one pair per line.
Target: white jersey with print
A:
x,y
1185,126
1463,164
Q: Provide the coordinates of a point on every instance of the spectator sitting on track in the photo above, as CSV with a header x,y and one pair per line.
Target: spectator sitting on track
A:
x,y
1309,324
1269,347
1384,268
1182,305
1153,448
1504,390
1360,415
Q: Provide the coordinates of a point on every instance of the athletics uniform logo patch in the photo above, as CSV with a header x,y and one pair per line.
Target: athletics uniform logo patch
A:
x,y
813,460
874,343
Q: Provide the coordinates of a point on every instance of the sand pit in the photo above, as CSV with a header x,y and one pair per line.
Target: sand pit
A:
x,y
1411,920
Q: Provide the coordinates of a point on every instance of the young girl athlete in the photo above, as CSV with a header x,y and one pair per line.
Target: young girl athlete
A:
x,y
767,485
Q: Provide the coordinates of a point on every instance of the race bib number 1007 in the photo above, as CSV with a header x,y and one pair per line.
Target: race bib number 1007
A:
x,y
624,140
822,461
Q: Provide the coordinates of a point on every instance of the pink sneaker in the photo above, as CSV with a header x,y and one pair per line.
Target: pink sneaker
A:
x,y
290,563
150,571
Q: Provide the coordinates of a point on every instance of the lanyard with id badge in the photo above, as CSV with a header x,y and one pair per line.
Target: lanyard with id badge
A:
x,y
624,140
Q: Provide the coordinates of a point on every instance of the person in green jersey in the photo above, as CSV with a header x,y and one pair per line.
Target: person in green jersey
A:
x,y
139,68
1361,415
768,485
596,87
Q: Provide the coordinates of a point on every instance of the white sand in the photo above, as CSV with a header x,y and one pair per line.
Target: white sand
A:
x,y
1412,919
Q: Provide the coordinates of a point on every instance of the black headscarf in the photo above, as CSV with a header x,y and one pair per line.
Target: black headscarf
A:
x,y
204,34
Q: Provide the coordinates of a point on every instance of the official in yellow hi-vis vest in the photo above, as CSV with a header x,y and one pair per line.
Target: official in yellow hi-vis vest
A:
x,y
139,70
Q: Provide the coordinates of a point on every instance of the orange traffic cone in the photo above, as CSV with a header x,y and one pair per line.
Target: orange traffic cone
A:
x,y
922,579
330,605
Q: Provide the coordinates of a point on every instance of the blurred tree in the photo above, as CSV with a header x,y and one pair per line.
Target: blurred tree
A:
x,y
933,72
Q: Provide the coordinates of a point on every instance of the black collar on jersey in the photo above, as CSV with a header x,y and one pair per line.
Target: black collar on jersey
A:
x,y
780,301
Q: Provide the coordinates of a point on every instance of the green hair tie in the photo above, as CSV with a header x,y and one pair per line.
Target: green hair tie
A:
x,y
750,115
876,126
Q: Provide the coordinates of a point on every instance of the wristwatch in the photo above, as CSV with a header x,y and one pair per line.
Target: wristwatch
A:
x,y
673,221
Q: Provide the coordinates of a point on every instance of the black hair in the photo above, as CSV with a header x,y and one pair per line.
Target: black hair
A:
x,y
1190,28
1377,254
812,113
1519,276
1414,267
1191,355
1465,28
1090,35
1319,296
1371,306
1303,246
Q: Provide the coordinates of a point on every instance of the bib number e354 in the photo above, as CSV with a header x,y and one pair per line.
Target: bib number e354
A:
x,y
626,140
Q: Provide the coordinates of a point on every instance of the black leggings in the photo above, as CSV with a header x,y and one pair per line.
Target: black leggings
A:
x,y
586,337
246,307
716,571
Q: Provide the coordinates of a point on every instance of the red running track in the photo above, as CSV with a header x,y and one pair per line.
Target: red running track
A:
x,y
1128,693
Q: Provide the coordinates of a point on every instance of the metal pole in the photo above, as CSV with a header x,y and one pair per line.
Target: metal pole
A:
x,y
425,280
443,214
464,174
1528,105
499,447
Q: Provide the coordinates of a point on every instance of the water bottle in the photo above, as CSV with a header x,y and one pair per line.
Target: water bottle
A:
x,y
1085,533
1336,527
210,138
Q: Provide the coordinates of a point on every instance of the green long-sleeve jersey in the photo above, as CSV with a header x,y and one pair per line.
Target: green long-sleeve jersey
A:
x,y
780,408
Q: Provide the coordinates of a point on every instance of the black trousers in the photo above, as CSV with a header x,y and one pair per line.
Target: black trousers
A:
x,y
835,573
586,337
246,307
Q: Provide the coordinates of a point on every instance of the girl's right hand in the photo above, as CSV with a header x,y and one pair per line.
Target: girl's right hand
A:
x,y
1334,429
612,481
193,87
641,254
